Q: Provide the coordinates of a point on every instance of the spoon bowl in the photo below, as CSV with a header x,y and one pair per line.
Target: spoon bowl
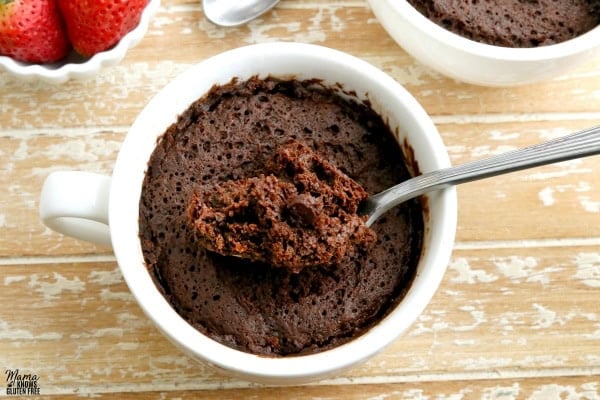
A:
x,y
233,13
576,145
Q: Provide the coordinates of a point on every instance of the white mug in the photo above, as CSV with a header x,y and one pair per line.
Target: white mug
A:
x,y
482,64
105,209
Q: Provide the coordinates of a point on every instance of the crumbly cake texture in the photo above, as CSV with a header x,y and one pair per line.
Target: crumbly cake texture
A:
x,y
233,133
302,214
513,23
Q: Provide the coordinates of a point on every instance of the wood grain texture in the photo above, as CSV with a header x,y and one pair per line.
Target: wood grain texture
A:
x,y
542,194
516,316
497,314
118,93
574,388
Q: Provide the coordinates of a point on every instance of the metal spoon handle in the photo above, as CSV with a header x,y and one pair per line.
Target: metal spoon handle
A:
x,y
580,144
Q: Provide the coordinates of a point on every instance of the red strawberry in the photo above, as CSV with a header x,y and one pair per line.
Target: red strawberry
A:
x,y
32,31
97,25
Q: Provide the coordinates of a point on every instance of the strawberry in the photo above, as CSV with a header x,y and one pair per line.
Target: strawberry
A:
x,y
97,25
32,31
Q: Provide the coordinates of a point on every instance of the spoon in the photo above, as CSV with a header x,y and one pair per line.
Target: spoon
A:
x,y
232,13
576,145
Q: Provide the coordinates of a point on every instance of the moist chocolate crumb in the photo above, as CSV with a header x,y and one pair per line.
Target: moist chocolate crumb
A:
x,y
513,23
302,214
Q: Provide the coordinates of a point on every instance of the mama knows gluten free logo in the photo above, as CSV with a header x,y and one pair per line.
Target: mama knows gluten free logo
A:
x,y
18,384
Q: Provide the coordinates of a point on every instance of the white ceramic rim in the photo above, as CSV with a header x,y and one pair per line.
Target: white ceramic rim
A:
x,y
130,168
579,44
52,74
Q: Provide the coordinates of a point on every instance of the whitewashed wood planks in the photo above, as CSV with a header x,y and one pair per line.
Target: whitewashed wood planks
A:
x,y
517,313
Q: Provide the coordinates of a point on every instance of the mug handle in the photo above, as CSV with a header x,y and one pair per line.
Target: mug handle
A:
x,y
75,203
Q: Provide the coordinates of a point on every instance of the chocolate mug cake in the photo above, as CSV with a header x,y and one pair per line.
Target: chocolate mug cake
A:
x,y
513,23
233,134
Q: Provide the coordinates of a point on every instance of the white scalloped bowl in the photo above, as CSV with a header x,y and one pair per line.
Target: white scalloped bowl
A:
x,y
75,66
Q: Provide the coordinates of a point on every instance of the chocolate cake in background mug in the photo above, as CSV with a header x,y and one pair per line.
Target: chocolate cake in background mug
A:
x,y
231,134
513,23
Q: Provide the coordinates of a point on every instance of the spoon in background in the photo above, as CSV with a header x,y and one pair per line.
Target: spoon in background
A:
x,y
576,145
233,13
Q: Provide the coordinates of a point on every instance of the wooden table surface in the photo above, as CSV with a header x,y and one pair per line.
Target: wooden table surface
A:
x,y
517,314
